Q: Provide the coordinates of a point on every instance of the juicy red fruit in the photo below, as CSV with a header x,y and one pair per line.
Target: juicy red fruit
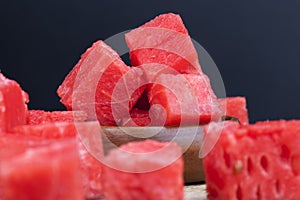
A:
x,y
137,118
91,83
30,174
259,161
56,130
12,104
235,107
163,40
91,168
185,99
35,117
146,176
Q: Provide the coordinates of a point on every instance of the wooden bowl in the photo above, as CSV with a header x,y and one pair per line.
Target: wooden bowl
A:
x,y
189,138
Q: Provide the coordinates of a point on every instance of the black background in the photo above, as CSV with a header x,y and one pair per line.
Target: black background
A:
x,y
255,44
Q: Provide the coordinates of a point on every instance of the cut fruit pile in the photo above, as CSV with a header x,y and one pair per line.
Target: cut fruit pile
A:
x,y
46,155
165,86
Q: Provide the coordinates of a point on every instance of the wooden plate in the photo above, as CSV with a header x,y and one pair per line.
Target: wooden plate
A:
x,y
189,138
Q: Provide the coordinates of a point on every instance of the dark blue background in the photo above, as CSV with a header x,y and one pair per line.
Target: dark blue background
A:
x,y
255,44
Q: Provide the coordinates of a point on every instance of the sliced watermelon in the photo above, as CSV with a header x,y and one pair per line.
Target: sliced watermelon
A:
x,y
185,99
89,132
56,130
155,171
12,142
235,107
90,151
163,40
259,161
35,117
12,104
91,83
41,172
137,118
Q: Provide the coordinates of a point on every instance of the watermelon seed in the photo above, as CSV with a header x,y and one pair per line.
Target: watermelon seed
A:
x,y
239,195
238,167
264,163
227,159
249,165
285,153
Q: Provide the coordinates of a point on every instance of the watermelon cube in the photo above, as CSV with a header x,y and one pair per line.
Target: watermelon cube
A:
x,y
34,117
13,142
144,170
12,104
183,99
88,137
90,85
235,107
55,130
47,172
259,161
137,118
163,40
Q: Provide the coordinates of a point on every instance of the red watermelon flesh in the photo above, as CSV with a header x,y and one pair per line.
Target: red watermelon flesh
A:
x,y
55,130
235,107
165,182
137,118
150,73
16,143
12,104
259,161
90,151
90,85
124,95
141,117
42,172
153,70
35,117
163,40
185,99
91,167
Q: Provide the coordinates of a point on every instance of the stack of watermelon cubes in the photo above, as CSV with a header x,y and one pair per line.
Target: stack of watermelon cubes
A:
x,y
57,165
164,86
30,165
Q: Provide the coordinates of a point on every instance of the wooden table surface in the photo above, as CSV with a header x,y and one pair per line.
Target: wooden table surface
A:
x,y
195,192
